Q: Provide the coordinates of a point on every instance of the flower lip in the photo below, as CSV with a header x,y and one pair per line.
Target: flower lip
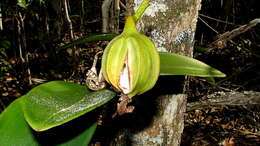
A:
x,y
124,80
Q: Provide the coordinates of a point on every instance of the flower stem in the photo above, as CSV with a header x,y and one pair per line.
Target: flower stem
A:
x,y
138,14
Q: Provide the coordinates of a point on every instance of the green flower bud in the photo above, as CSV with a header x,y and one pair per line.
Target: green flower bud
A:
x,y
130,61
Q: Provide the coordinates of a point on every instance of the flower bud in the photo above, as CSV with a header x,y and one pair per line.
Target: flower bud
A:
x,y
130,61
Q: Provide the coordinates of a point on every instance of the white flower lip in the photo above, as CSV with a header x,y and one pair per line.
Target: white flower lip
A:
x,y
124,80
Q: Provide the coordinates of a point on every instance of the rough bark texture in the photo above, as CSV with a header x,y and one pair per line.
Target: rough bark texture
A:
x,y
171,24
158,118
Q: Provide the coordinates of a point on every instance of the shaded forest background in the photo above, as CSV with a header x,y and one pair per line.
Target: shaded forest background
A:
x,y
31,33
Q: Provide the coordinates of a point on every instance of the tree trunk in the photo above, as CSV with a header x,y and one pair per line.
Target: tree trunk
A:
x,y
158,118
171,25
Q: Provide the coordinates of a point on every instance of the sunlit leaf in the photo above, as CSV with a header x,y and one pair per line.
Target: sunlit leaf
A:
x,y
24,3
174,64
54,103
15,131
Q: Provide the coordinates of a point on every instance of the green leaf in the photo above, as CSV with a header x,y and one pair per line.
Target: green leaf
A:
x,y
210,80
15,131
90,38
82,139
174,64
23,3
54,103
5,44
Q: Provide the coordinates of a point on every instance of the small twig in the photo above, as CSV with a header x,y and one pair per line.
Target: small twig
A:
x,y
117,15
105,14
218,20
38,80
82,17
226,89
22,44
229,35
19,39
1,20
225,27
247,132
117,4
122,5
208,25
70,25
46,24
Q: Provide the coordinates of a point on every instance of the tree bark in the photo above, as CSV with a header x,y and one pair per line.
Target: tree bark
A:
x,y
158,118
171,25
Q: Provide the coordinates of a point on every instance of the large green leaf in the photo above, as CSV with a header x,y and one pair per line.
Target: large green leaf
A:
x,y
90,38
15,131
54,103
174,64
